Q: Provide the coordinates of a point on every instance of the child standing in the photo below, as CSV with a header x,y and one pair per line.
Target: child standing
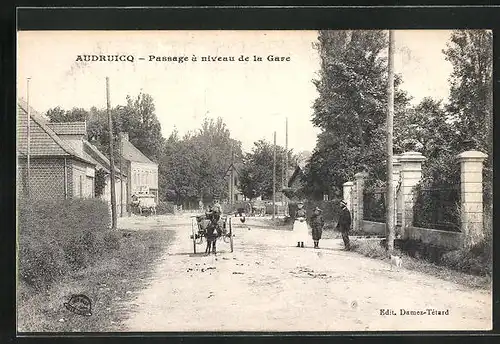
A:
x,y
317,224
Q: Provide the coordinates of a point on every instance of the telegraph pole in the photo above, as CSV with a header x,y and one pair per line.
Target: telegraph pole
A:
x,y
283,179
389,218
274,176
232,174
28,152
286,162
111,158
121,172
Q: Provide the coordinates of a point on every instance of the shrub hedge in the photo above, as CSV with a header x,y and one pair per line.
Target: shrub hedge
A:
x,y
165,208
58,237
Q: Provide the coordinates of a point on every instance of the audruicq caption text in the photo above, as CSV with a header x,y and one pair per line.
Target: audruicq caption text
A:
x,y
181,59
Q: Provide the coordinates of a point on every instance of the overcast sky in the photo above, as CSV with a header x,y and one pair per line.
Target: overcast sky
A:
x,y
253,98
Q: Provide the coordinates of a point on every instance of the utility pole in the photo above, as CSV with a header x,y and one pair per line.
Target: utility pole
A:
x,y
121,172
286,162
229,173
283,178
274,176
111,158
389,218
28,152
232,174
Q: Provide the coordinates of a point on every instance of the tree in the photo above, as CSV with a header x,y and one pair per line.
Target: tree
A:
x,y
195,166
471,102
471,93
74,115
138,118
256,178
350,109
430,130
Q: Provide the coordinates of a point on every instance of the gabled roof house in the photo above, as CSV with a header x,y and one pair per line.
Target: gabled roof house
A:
x,y
62,162
142,173
58,168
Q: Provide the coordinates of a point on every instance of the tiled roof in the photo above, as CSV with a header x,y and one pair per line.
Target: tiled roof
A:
x,y
296,172
69,128
102,160
131,153
43,140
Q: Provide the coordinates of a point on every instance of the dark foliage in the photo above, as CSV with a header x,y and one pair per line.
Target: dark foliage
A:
x,y
61,236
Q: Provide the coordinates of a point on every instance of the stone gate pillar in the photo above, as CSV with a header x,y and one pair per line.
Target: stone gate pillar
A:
x,y
357,219
347,194
411,173
471,196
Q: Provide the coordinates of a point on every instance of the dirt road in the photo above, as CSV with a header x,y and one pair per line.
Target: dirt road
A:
x,y
269,285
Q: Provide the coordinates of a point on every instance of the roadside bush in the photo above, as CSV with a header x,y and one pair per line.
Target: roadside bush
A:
x,y
279,209
478,260
331,209
41,262
369,248
164,208
57,237
111,240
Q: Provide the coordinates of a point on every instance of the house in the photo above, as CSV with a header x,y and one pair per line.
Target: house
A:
x,y
104,165
295,184
237,194
62,163
58,168
294,181
142,173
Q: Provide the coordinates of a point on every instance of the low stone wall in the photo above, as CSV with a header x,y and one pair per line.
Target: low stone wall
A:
x,y
374,227
450,240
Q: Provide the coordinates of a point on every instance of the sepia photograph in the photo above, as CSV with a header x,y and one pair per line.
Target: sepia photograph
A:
x,y
254,181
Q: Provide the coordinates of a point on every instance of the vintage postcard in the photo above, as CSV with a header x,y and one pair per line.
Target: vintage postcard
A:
x,y
284,181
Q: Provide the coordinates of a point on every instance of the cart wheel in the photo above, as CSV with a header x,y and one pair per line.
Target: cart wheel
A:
x,y
231,234
194,236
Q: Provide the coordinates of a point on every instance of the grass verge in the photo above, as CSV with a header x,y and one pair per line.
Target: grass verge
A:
x,y
374,249
109,283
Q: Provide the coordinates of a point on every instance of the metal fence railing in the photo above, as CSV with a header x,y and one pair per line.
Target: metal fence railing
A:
x,y
374,205
437,208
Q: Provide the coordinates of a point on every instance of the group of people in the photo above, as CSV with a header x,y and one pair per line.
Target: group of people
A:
x,y
316,221
300,227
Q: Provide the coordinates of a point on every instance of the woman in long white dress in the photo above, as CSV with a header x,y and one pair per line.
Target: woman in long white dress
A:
x,y
300,229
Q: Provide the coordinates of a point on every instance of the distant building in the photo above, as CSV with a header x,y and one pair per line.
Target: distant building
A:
x,y
103,163
142,173
295,184
237,194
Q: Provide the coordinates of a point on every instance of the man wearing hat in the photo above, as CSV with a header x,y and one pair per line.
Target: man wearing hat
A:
x,y
344,224
213,229
216,210
317,224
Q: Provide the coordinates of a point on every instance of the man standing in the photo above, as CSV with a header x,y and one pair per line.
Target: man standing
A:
x,y
317,224
213,229
344,224
215,211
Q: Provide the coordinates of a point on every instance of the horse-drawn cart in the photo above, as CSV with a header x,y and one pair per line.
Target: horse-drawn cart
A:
x,y
204,230
144,202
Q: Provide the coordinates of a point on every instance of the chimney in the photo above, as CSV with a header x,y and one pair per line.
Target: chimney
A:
x,y
124,136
